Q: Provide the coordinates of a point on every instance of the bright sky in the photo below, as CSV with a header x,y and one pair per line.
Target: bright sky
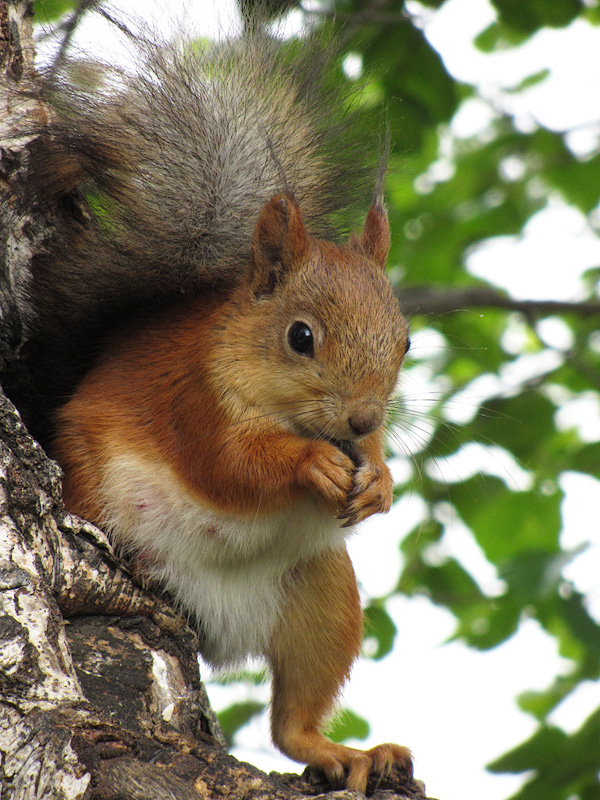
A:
x,y
455,707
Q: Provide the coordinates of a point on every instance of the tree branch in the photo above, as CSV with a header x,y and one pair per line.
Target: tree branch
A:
x,y
427,300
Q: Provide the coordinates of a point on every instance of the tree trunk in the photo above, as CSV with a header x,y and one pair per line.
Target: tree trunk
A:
x,y
100,693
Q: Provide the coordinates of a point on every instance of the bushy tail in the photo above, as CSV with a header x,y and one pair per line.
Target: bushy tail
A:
x,y
177,157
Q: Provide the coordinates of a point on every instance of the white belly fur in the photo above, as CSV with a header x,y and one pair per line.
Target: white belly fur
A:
x,y
227,570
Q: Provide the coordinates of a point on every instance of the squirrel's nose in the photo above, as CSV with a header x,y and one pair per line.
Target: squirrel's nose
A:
x,y
365,419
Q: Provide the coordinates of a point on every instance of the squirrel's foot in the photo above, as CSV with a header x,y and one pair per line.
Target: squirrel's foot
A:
x,y
346,767
353,768
372,493
328,473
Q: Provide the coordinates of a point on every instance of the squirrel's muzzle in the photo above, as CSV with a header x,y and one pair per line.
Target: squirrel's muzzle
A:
x,y
365,419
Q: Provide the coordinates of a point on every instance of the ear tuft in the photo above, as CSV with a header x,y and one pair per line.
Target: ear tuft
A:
x,y
279,242
375,238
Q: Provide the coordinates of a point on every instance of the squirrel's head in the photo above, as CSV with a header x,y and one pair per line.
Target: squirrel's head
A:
x,y
324,321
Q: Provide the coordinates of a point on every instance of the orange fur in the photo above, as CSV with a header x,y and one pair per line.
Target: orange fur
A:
x,y
311,654
164,406
246,431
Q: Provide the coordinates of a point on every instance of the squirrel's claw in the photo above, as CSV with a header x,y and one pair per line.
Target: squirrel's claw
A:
x,y
356,490
372,493
328,473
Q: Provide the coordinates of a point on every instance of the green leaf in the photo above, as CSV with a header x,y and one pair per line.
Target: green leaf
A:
x,y
347,725
379,627
498,36
529,81
573,611
237,715
540,751
588,459
592,15
505,523
565,766
45,11
540,704
520,424
448,584
577,180
534,14
489,624
536,574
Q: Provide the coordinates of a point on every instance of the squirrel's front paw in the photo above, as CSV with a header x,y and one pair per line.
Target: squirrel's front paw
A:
x,y
328,473
372,493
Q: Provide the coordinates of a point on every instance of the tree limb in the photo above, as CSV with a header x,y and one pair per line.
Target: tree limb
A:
x,y
428,300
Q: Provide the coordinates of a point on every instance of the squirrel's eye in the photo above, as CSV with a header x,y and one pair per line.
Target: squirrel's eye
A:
x,y
301,339
408,344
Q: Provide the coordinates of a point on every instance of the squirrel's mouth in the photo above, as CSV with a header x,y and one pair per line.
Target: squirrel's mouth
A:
x,y
348,447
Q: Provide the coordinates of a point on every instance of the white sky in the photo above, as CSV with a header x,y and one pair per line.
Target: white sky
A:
x,y
455,707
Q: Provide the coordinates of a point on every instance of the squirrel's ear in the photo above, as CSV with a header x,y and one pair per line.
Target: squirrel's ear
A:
x,y
375,238
279,242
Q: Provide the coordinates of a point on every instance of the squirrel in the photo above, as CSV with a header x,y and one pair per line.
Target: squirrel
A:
x,y
221,362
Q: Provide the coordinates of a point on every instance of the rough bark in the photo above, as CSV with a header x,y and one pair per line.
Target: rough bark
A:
x,y
100,693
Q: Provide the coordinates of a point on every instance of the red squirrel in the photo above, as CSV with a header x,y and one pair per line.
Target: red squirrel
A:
x,y
227,427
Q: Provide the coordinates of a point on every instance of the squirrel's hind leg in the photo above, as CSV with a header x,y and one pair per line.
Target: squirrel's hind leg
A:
x,y
312,650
